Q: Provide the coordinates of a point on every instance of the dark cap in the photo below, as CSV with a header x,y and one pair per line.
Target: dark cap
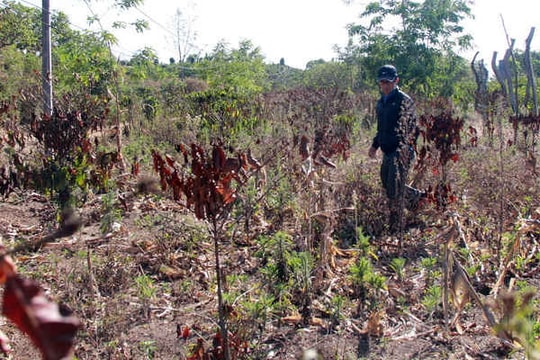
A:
x,y
387,72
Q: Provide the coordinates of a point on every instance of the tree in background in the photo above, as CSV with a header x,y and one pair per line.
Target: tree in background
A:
x,y
20,46
184,35
281,76
332,74
421,42
239,70
20,27
83,61
145,64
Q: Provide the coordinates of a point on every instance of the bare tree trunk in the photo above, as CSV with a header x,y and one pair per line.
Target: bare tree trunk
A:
x,y
531,79
503,73
481,96
508,71
498,74
216,233
531,82
118,123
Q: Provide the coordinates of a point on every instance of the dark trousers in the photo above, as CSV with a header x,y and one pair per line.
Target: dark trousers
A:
x,y
394,180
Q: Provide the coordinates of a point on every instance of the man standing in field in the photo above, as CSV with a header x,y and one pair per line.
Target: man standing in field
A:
x,y
396,136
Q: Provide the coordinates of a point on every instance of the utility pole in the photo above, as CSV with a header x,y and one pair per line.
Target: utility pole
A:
x,y
46,69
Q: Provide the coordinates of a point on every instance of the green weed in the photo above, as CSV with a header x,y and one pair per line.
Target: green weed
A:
x,y
432,298
398,266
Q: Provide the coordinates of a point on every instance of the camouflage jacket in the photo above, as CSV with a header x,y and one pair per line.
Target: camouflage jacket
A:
x,y
396,122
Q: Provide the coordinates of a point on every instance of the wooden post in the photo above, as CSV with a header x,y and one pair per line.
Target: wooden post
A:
x,y
46,70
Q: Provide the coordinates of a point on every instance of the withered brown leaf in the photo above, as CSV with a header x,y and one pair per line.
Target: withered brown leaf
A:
x,y
26,306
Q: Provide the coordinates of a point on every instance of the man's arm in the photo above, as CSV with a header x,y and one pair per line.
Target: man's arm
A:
x,y
407,122
374,146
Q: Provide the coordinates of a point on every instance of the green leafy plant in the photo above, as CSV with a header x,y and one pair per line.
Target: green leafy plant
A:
x,y
363,243
366,282
432,298
260,310
146,290
149,348
145,286
337,305
301,267
275,252
428,263
111,213
398,266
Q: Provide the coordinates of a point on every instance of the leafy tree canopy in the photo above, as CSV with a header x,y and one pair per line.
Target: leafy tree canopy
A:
x,y
421,34
84,59
123,4
239,70
21,26
332,74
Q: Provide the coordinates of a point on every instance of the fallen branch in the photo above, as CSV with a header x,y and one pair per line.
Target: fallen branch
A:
x,y
418,334
70,224
465,280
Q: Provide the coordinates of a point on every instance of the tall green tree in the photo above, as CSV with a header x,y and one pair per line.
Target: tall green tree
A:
x,y
234,77
282,76
20,47
240,70
332,74
83,61
20,26
145,64
419,37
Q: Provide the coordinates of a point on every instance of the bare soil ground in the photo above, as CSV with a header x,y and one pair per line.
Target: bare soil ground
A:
x,y
101,279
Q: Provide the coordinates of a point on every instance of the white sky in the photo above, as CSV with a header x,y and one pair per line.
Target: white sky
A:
x,y
297,30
